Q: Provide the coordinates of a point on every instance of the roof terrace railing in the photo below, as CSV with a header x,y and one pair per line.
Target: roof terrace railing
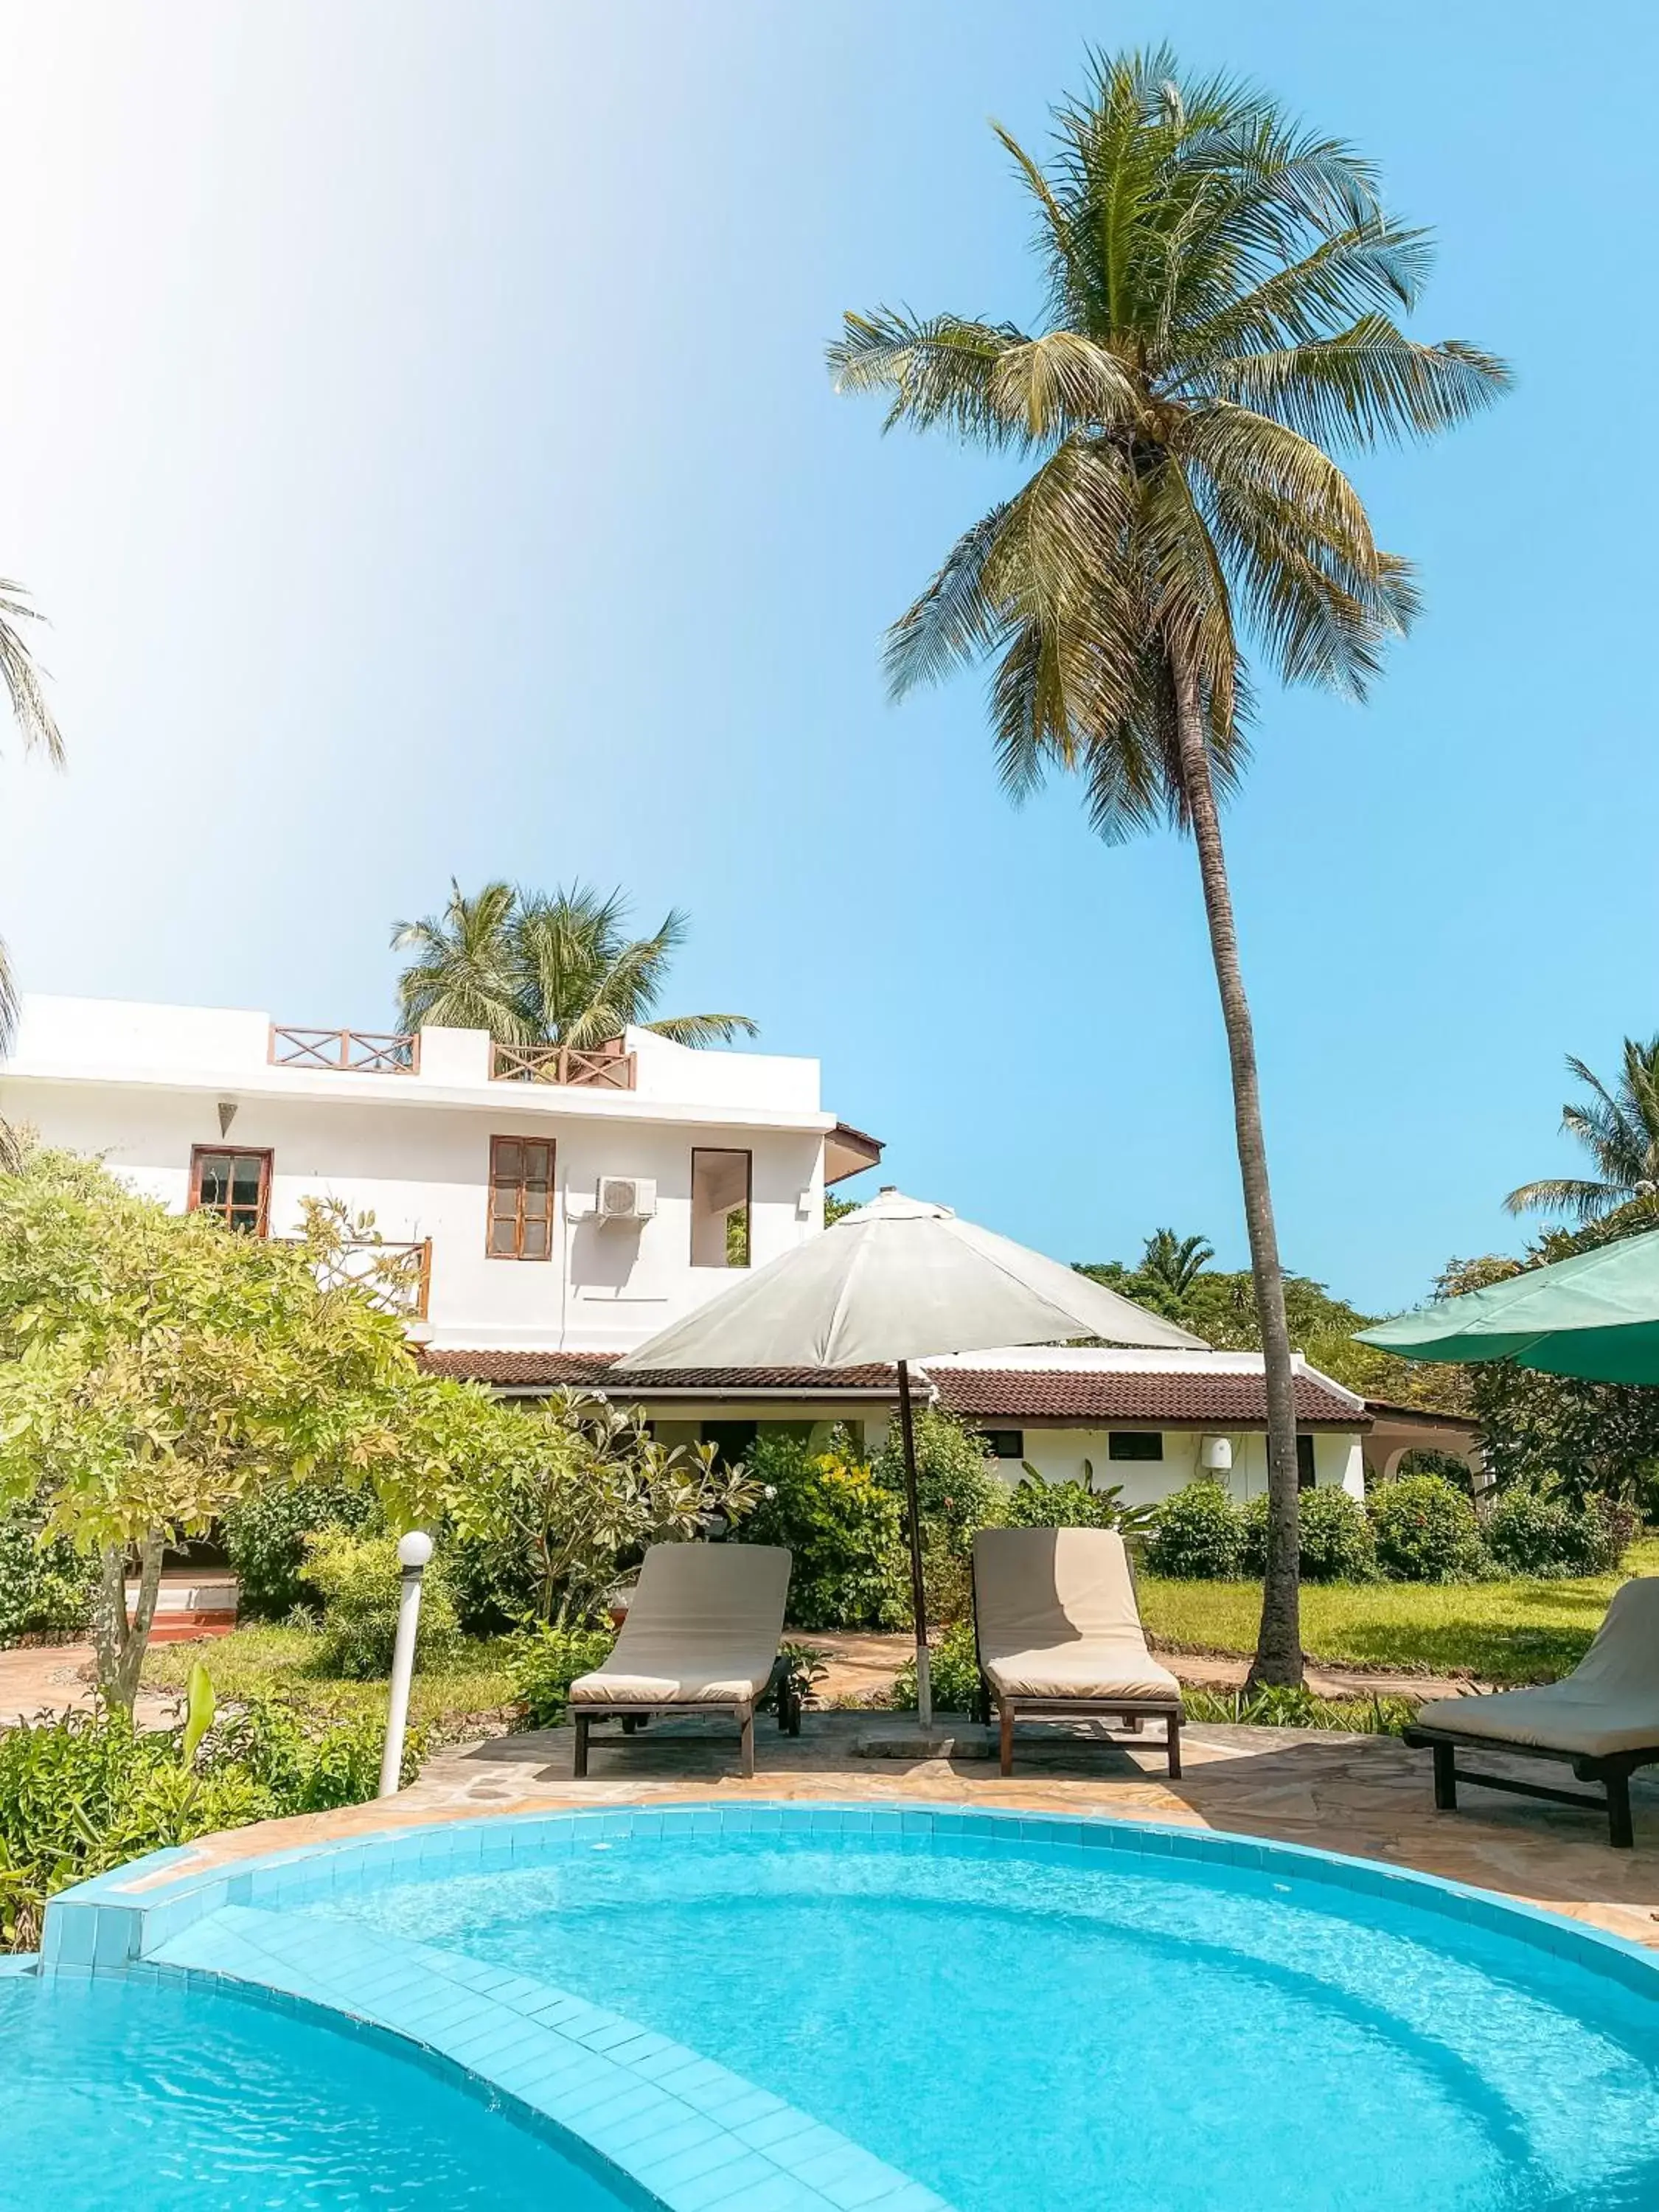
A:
x,y
606,1068
360,1051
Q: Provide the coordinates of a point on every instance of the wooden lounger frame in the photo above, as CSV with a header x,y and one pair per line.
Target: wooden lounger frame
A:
x,y
1131,1710
1613,1771
741,1710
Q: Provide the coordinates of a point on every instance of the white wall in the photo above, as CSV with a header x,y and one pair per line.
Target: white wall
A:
x,y
1058,1455
423,1172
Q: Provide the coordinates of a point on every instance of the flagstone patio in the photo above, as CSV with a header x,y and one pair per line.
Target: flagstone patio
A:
x,y
1366,1795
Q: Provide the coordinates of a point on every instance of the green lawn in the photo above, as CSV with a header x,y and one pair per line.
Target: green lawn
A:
x,y
458,1700
1506,1631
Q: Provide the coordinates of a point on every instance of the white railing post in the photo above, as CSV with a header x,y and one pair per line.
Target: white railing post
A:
x,y
414,1551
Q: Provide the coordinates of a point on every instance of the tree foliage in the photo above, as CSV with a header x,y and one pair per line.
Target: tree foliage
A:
x,y
1619,1130
535,968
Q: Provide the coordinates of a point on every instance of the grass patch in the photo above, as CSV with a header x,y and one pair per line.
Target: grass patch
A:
x,y
458,1699
1501,1632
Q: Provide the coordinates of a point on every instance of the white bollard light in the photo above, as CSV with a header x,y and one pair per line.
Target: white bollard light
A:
x,y
414,1551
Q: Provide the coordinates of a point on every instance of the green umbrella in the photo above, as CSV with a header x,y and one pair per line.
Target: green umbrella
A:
x,y
1595,1315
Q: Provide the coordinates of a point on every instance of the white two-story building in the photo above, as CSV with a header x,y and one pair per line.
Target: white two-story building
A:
x,y
557,1207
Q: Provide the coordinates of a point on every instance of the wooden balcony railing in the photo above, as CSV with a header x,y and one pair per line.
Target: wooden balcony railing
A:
x,y
607,1067
397,1277
364,1052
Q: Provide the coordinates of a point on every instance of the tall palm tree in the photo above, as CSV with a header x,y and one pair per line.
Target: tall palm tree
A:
x,y
1174,1262
1220,290
1619,1129
533,968
34,717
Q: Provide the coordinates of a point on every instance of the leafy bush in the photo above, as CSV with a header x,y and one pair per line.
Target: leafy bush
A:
x,y
953,1670
546,1661
1534,1527
360,1581
496,1586
1337,1545
1425,1531
87,1792
959,1492
1199,1536
1037,1503
265,1533
46,1587
844,1528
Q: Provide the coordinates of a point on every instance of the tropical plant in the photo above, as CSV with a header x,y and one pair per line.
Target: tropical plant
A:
x,y
1177,1262
360,1582
1199,1536
1619,1130
577,1487
533,968
546,1661
843,1529
46,1585
1221,288
155,1368
1535,1528
40,732
953,1670
264,1538
1425,1530
1036,1503
959,1490
1337,1545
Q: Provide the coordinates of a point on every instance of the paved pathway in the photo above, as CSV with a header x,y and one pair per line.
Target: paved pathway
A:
x,y
1366,1795
58,1678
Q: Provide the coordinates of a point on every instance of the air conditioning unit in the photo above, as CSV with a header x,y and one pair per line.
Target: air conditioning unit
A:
x,y
626,1198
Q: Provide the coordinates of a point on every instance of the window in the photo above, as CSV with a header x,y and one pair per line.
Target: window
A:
x,y
236,1186
1006,1443
1305,1477
520,1197
720,1183
733,1440
1134,1443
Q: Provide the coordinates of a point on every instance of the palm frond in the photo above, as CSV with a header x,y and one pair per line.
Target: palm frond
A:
x,y
939,373
30,710
1369,385
1584,1200
703,1028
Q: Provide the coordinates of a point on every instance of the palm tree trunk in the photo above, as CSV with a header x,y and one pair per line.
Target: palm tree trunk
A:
x,y
1278,1643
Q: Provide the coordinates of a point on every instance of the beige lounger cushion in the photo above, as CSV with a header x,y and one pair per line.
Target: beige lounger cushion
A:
x,y
704,1628
1057,1617
1609,1703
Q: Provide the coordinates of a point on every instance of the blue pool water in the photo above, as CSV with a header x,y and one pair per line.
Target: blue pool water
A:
x,y
1057,2036
145,2098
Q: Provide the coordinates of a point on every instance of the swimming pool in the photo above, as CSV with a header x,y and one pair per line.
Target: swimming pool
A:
x,y
989,2013
116,2093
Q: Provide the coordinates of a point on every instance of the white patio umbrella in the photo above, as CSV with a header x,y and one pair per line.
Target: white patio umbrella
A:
x,y
901,1279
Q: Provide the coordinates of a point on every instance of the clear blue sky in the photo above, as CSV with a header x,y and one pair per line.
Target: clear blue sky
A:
x,y
413,421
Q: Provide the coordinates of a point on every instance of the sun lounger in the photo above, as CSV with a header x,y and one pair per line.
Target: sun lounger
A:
x,y
1604,1719
1059,1633
702,1636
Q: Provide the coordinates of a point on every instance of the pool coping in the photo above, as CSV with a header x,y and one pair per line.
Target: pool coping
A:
x,y
676,2129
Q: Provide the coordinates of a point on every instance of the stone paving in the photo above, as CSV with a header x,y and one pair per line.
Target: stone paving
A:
x,y
1366,1795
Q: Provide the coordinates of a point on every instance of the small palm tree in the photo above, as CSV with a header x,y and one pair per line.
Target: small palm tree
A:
x,y
533,968
33,717
1174,1262
1619,1129
1221,286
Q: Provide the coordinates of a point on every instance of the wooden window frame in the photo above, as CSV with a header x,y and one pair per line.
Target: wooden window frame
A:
x,y
492,1215
747,1152
267,1159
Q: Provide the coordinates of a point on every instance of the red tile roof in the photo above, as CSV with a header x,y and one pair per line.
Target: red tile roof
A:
x,y
1178,1397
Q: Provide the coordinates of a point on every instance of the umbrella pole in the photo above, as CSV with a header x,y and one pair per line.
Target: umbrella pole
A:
x,y
918,1587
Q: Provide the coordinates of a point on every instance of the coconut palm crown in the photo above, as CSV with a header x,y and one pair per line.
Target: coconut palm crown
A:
x,y
34,719
534,968
1619,1129
1221,290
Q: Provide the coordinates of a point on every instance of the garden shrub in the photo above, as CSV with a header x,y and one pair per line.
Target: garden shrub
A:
x,y
84,1793
359,1581
1199,1536
546,1661
959,1490
844,1527
1036,1503
1534,1527
1425,1531
1337,1545
46,1587
952,1671
264,1538
496,1585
